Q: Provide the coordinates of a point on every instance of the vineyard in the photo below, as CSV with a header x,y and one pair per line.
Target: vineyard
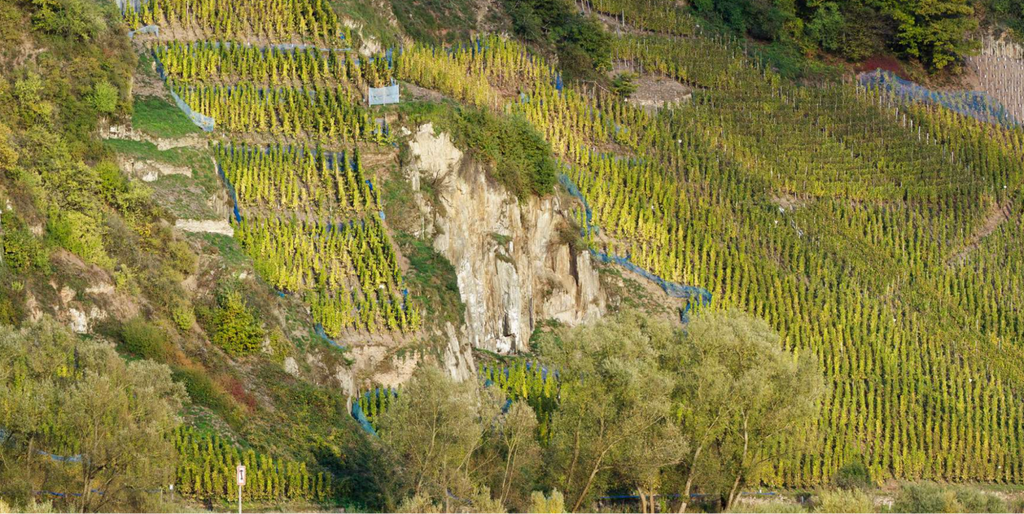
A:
x,y
883,236
833,212
206,471
228,62
306,215
311,20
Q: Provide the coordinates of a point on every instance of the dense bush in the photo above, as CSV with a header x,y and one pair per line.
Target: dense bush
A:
x,y
843,501
932,497
556,23
854,475
235,327
144,339
520,158
204,391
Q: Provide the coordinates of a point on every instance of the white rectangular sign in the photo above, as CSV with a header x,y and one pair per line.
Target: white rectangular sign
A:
x,y
240,471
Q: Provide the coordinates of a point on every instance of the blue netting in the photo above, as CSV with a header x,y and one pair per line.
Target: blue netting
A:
x,y
693,295
575,192
231,191
977,104
65,495
360,416
148,29
201,120
54,456
323,335
529,367
383,95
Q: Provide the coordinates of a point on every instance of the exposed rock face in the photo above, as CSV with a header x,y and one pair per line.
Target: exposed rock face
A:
x,y
150,171
210,226
127,132
80,308
513,268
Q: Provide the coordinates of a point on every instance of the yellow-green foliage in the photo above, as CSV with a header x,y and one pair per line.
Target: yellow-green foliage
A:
x,y
230,62
206,470
338,267
235,327
273,19
553,503
278,178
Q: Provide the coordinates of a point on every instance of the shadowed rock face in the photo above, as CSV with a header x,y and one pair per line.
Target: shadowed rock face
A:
x,y
513,269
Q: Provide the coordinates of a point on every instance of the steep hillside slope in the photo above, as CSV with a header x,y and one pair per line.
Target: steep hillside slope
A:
x,y
311,247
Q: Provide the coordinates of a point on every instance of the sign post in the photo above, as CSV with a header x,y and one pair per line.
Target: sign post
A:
x,y
240,480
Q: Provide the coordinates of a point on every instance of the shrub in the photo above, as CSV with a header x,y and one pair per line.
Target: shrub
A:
x,y
853,475
520,158
80,234
104,97
926,497
236,328
624,84
203,391
418,503
550,504
974,500
21,250
769,506
144,339
183,315
844,501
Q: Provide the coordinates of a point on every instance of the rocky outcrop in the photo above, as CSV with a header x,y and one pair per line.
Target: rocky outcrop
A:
x,y
514,268
208,226
149,170
93,298
127,132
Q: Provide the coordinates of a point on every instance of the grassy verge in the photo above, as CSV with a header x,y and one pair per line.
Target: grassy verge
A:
x,y
160,118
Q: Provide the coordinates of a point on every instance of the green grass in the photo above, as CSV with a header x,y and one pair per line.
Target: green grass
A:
x,y
226,246
185,197
435,284
160,118
436,21
373,21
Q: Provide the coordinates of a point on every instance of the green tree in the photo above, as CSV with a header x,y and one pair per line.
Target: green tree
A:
x,y
935,31
624,84
433,428
825,28
77,398
773,394
614,417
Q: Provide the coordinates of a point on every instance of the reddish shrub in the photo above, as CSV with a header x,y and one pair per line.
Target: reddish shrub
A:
x,y
885,62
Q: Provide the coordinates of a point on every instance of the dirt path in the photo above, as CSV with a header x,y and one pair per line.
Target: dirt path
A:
x,y
995,217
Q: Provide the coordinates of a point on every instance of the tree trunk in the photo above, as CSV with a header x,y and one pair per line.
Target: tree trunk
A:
x,y
590,481
684,498
743,465
506,481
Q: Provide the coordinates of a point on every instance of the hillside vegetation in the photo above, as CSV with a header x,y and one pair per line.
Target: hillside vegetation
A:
x,y
863,256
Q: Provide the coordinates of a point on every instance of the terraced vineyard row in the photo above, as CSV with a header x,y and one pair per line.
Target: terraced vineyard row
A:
x,y
347,272
206,471
282,178
226,62
273,19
